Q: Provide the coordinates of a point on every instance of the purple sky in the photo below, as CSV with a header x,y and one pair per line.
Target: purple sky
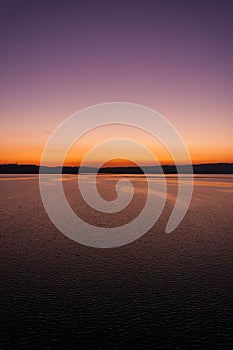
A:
x,y
60,56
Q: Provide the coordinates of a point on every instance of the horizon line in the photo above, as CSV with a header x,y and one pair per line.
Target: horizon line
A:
x,y
114,166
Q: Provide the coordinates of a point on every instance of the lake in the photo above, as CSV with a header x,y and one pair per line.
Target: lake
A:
x,y
162,291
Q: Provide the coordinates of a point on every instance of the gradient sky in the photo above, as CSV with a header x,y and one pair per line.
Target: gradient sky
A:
x,y
58,57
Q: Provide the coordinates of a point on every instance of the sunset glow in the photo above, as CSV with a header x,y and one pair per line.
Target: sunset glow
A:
x,y
177,63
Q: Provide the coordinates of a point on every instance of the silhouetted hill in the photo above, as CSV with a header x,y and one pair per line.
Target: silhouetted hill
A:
x,y
214,168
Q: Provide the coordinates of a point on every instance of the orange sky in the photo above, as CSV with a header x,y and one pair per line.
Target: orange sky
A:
x,y
27,147
59,60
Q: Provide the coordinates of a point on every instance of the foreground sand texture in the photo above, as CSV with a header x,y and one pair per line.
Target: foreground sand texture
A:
x,y
162,291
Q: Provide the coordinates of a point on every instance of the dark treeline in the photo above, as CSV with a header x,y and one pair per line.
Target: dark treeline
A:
x,y
215,168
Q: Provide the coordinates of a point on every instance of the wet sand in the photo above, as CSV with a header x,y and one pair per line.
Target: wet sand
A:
x,y
163,291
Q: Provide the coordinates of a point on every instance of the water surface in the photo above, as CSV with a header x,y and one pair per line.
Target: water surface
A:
x,y
163,291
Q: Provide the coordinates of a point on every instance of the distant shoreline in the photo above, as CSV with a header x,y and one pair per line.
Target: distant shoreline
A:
x,y
209,168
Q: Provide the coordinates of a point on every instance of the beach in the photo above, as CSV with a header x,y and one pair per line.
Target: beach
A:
x,y
161,291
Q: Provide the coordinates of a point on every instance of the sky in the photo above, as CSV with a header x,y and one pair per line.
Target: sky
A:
x,y
58,57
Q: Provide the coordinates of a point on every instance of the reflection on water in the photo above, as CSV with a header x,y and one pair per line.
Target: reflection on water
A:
x,y
10,177
162,291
